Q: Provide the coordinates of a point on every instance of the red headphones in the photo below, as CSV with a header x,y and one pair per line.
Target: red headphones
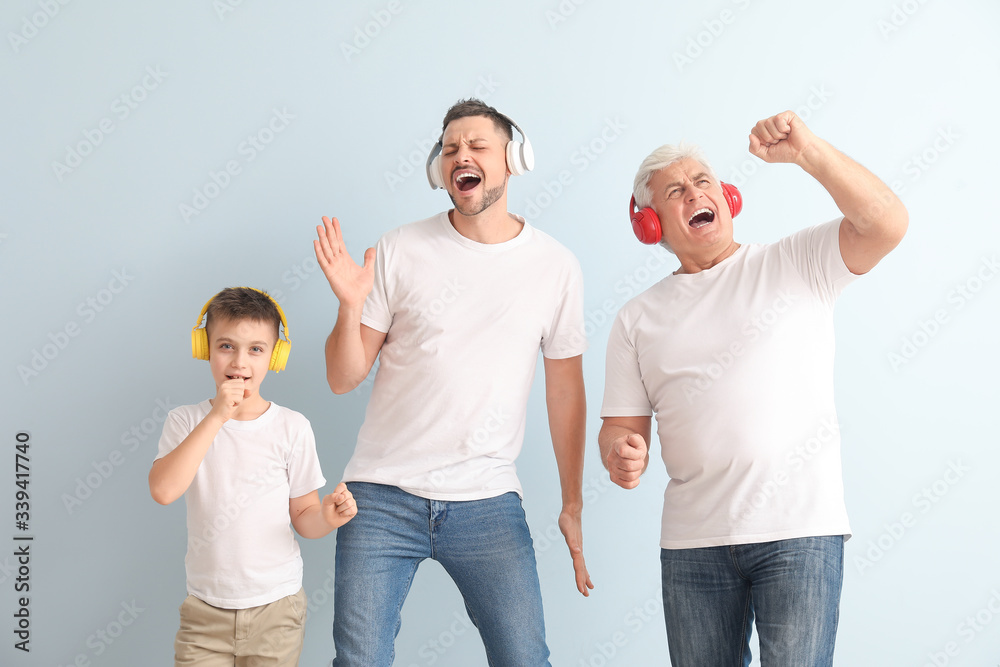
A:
x,y
646,224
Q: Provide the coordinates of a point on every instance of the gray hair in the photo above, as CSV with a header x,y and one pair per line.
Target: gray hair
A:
x,y
661,158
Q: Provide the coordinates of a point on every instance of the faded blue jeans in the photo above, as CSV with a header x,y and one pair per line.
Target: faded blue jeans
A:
x,y
484,545
711,595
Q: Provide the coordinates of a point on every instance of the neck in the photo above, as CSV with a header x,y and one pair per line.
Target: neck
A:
x,y
494,225
693,264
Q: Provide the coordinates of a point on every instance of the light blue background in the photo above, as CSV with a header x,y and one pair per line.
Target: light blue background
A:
x,y
596,86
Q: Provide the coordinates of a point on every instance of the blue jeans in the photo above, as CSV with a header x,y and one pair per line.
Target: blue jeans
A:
x,y
710,597
484,545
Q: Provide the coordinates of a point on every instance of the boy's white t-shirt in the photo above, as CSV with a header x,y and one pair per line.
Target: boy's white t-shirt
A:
x,y
242,552
465,323
736,363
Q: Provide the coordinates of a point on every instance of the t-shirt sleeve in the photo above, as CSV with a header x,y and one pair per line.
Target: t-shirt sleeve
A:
x,y
815,252
376,312
304,472
624,392
566,337
176,427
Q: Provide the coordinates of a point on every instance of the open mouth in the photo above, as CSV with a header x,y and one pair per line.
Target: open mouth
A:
x,y
467,180
701,217
238,377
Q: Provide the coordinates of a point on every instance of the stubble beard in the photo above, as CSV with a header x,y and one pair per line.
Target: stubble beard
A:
x,y
490,197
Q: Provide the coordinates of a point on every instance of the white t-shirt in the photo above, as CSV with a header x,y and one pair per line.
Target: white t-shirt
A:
x,y
736,362
464,323
241,549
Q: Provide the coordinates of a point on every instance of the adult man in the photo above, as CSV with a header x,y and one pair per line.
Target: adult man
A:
x,y
460,306
734,355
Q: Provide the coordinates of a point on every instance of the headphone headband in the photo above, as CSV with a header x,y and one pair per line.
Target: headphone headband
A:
x,y
199,335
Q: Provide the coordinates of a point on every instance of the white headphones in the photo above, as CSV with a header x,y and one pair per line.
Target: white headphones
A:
x,y
520,158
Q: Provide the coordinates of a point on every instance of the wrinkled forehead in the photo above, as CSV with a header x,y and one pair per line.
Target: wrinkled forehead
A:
x,y
687,166
678,172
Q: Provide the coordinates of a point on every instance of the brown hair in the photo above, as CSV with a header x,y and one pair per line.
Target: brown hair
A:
x,y
243,303
474,107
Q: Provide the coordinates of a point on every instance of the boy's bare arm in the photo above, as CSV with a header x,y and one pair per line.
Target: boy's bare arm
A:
x,y
313,519
171,475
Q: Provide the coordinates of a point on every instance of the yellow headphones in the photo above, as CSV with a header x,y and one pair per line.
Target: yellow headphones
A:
x,y
199,337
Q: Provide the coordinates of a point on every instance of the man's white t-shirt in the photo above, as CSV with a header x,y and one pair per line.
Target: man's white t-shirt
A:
x,y
242,552
464,323
736,363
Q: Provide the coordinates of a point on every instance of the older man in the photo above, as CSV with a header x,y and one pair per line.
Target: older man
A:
x,y
457,307
733,354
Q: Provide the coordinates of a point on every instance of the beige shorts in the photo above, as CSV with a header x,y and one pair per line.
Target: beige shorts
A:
x,y
270,634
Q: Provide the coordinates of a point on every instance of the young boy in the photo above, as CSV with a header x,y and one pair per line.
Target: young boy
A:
x,y
239,459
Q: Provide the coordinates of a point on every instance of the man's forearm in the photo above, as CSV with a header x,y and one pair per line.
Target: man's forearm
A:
x,y
566,403
869,204
569,441
346,360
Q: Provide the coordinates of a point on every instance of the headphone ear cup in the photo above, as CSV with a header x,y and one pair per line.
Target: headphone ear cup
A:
x,y
199,343
433,168
733,198
645,224
515,161
437,174
279,358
